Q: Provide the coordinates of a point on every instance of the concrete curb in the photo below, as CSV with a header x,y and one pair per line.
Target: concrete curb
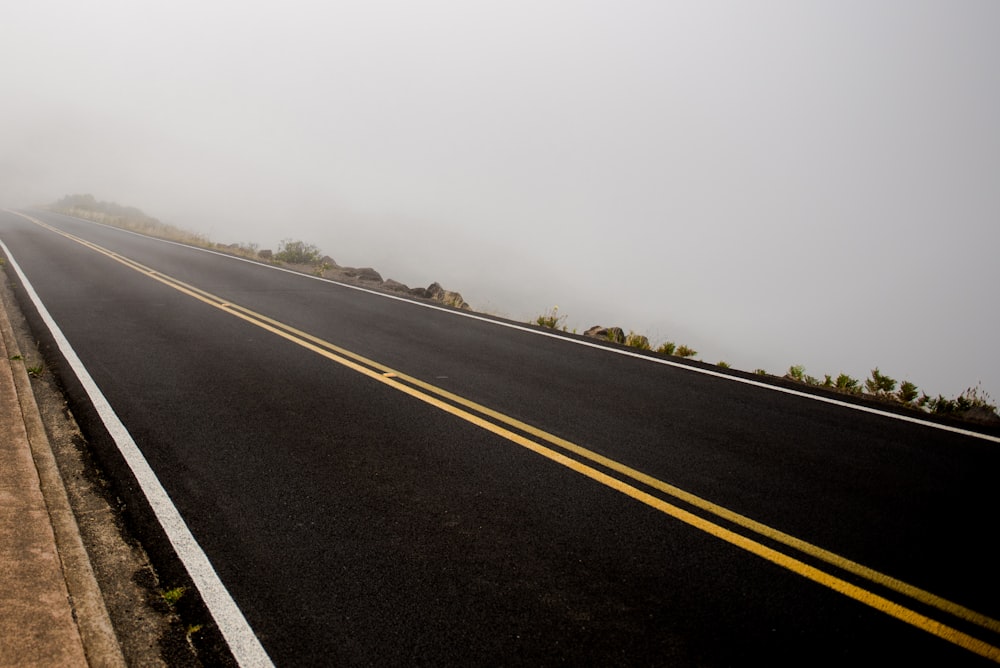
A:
x,y
100,644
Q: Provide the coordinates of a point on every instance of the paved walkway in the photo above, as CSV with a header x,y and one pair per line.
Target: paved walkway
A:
x,y
51,609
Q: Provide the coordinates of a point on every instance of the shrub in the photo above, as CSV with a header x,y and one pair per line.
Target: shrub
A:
x,y
974,397
297,252
722,365
845,383
684,351
760,372
941,405
796,372
551,319
879,384
667,348
907,392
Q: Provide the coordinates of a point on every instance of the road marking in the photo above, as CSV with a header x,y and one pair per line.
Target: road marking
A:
x,y
460,407
242,641
561,337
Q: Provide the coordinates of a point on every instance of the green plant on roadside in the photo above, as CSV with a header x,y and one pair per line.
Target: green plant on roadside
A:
x,y
684,351
551,319
722,365
667,348
845,383
297,252
16,358
879,384
760,372
173,596
974,397
322,268
35,370
907,392
796,372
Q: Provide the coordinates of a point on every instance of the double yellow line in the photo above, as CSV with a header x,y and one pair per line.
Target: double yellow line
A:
x,y
586,463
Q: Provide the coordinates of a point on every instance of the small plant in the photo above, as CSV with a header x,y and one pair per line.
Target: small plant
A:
x,y
811,380
941,405
638,341
975,397
907,392
551,319
35,371
796,372
16,358
845,383
722,365
322,268
172,596
684,351
760,372
667,348
827,380
879,384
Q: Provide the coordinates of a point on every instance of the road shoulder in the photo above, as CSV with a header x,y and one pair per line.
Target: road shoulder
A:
x,y
115,592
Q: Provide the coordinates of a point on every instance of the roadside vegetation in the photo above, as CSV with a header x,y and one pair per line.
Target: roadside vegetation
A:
x,y
292,253
973,404
126,217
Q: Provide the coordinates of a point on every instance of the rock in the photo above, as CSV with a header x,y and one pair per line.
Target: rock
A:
x,y
637,341
395,286
613,334
328,261
362,274
446,297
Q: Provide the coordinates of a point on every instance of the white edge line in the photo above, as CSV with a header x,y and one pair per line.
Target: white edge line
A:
x,y
588,344
242,641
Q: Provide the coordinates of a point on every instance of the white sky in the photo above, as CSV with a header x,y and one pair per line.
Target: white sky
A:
x,y
772,183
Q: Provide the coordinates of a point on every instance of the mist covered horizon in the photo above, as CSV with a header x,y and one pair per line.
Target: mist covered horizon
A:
x,y
792,183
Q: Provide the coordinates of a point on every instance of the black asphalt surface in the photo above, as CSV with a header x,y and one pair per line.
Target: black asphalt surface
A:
x,y
354,524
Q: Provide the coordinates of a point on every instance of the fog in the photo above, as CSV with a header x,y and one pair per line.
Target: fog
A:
x,y
771,183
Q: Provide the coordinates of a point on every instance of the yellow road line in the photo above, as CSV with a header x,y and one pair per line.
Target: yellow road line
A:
x,y
440,398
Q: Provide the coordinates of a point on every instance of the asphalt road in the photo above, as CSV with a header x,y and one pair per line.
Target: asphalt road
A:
x,y
472,493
